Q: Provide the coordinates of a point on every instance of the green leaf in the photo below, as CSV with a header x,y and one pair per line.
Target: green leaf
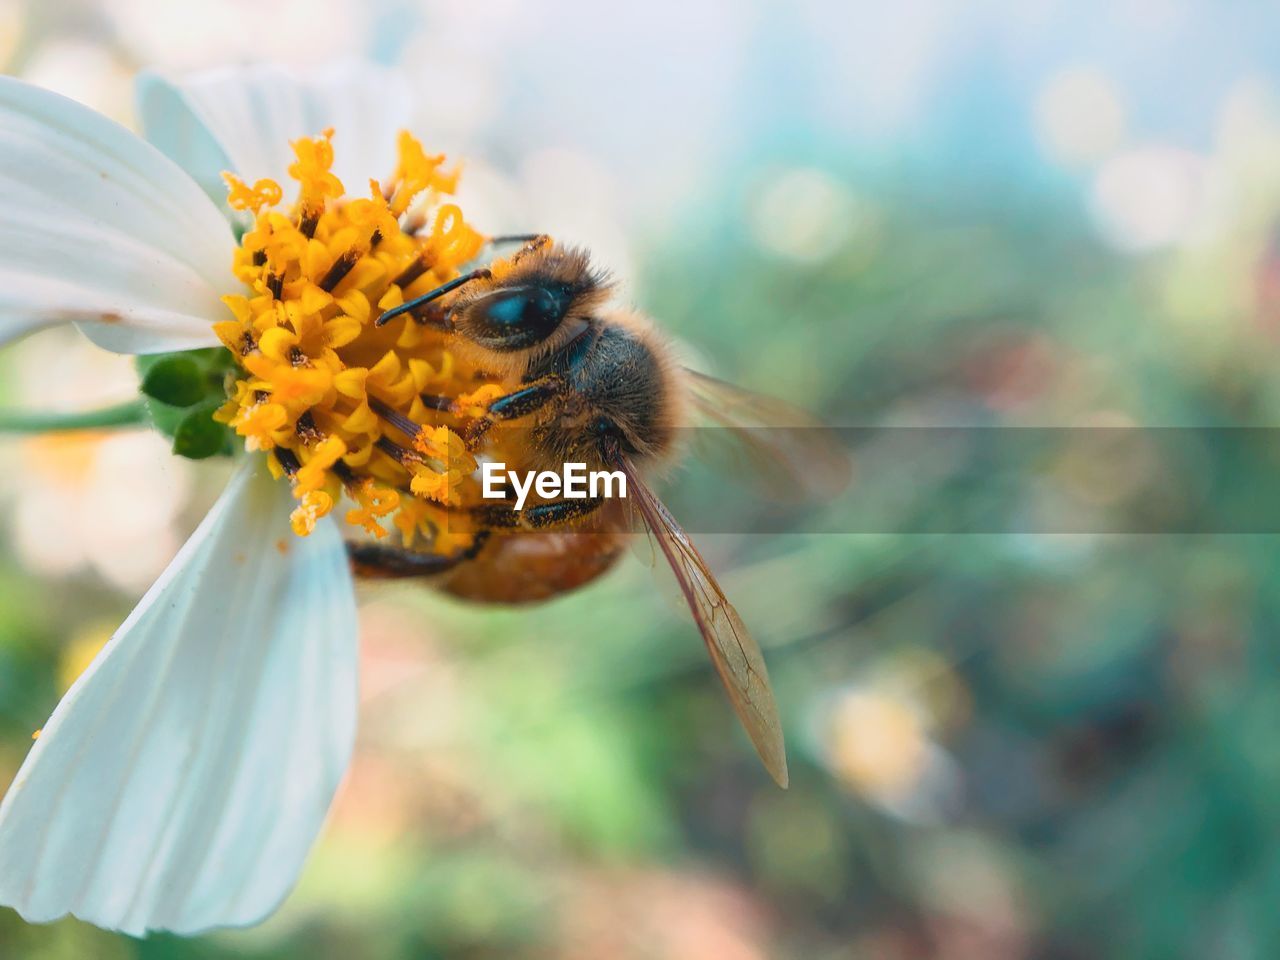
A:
x,y
176,380
198,435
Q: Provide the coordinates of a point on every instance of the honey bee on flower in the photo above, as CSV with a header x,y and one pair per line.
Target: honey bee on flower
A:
x,y
346,344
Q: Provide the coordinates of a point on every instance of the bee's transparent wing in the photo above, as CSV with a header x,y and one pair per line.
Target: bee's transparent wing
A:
x,y
639,536
735,654
795,456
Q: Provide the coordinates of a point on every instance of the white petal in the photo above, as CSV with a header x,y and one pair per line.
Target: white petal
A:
x,y
97,226
183,778
243,118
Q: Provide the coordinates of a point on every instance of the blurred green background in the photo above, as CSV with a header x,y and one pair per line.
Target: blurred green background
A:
x,y
1002,746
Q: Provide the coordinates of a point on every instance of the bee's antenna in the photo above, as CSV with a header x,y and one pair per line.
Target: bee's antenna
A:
x,y
440,291
531,241
514,238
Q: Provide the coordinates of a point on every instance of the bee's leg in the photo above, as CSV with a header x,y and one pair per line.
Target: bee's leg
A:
x,y
542,516
558,512
520,403
382,560
530,398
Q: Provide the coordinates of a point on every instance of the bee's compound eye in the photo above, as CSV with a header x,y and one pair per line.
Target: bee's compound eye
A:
x,y
517,317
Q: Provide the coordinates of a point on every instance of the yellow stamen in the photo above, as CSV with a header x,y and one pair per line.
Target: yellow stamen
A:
x,y
475,403
431,484
314,366
314,474
241,196
313,506
376,501
418,172
259,423
311,170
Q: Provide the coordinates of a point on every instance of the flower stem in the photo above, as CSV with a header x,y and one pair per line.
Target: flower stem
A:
x,y
130,414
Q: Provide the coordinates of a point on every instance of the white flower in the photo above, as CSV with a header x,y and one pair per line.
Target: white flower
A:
x,y
183,778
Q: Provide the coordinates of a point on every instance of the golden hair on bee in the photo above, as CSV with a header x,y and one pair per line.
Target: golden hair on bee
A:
x,y
624,375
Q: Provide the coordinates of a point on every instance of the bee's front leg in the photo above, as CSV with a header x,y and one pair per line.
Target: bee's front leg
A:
x,y
541,516
383,561
530,398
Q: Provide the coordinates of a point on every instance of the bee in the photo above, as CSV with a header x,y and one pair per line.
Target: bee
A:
x,y
597,385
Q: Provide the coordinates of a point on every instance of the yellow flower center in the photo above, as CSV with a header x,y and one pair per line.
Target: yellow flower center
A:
x,y
337,400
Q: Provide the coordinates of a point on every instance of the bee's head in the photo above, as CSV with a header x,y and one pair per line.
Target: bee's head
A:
x,y
528,304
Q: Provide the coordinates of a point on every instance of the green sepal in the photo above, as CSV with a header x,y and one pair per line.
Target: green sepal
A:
x,y
212,362
182,391
164,417
175,379
198,436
